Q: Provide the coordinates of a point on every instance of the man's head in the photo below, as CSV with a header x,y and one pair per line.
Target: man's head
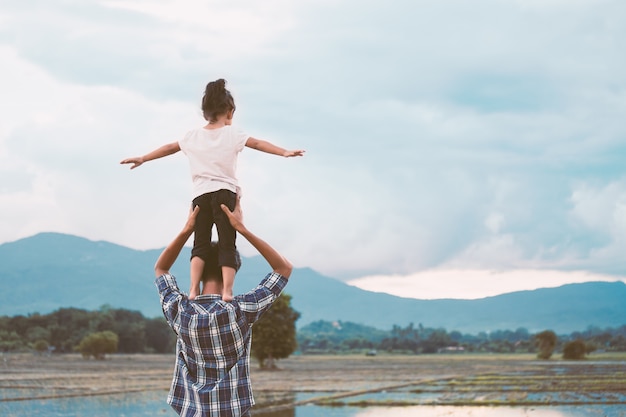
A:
x,y
212,270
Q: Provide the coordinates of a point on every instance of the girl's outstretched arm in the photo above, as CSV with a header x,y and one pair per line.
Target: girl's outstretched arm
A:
x,y
265,146
165,150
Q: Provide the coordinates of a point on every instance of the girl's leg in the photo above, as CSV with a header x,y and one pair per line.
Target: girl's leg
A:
x,y
228,277
201,243
226,242
195,272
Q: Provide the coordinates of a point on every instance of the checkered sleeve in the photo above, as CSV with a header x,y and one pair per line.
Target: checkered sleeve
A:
x,y
254,303
170,297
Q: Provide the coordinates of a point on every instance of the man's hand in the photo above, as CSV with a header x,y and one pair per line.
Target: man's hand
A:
x,y
171,252
136,161
278,262
191,220
235,217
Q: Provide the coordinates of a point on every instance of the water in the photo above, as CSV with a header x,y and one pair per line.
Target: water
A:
x,y
446,411
128,405
153,404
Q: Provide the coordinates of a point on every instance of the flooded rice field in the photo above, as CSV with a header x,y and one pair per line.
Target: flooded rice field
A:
x,y
340,386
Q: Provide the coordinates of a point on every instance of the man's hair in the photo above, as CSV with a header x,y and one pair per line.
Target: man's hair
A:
x,y
212,270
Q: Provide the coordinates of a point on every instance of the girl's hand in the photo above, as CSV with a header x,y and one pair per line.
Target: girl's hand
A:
x,y
298,152
136,161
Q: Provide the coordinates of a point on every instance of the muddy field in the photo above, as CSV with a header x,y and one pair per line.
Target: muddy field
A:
x,y
339,380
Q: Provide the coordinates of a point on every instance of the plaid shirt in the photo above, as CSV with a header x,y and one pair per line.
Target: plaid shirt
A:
x,y
212,375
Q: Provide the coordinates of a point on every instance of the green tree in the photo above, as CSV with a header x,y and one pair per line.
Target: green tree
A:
x,y
618,343
274,334
159,336
98,344
404,338
128,325
37,333
546,342
574,350
130,328
10,341
40,346
68,326
437,339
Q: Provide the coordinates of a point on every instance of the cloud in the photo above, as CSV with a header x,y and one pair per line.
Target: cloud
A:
x,y
439,134
598,215
61,149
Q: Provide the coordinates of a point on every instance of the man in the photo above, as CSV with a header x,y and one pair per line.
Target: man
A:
x,y
212,375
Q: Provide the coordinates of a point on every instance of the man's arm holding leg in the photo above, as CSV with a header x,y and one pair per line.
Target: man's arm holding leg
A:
x,y
279,263
171,252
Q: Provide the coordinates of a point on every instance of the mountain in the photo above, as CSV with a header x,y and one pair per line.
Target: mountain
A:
x,y
50,270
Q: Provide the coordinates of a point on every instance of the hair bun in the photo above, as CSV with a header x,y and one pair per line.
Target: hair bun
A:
x,y
217,99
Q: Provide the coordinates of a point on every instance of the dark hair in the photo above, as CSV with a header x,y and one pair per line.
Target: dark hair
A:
x,y
212,270
217,100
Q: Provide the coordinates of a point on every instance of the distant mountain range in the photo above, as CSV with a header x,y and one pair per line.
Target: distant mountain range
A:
x,y
50,270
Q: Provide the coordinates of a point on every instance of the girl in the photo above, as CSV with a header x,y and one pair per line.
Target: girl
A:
x,y
212,151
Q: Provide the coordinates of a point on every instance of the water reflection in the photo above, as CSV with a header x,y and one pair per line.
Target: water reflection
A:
x,y
441,411
153,404
449,411
148,404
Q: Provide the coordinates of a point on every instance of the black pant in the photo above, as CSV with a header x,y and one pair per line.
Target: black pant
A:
x,y
211,213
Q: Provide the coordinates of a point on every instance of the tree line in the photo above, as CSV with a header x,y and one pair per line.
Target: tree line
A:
x,y
109,330
340,337
63,330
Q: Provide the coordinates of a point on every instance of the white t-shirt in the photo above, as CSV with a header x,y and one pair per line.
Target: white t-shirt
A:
x,y
212,155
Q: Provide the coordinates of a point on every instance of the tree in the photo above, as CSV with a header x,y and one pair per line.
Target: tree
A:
x,y
436,340
98,344
9,341
40,346
128,325
274,334
36,333
68,326
403,338
130,328
159,336
574,350
545,341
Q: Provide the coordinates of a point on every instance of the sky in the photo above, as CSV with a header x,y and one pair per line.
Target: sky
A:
x,y
454,149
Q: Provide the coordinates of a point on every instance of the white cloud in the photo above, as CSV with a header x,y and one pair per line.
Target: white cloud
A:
x,y
65,142
601,209
599,213
221,29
